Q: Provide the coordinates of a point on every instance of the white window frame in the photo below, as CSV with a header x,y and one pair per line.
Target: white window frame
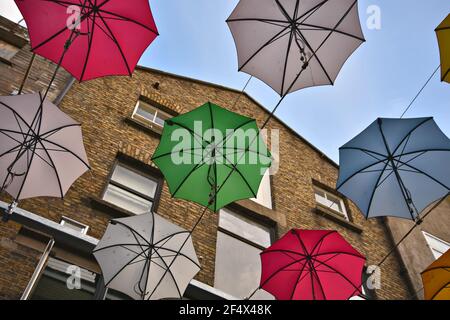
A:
x,y
264,196
430,239
67,221
344,212
152,122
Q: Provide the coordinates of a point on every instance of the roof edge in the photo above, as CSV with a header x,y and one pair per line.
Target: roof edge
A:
x,y
218,86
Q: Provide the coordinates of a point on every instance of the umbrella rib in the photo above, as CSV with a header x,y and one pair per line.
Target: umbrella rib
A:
x,y
440,290
116,43
320,28
323,42
283,251
177,152
90,39
10,150
359,171
411,132
263,47
424,173
67,150
340,274
171,275
123,268
48,134
29,128
286,60
53,167
321,241
38,121
14,139
60,32
130,20
235,168
193,133
375,189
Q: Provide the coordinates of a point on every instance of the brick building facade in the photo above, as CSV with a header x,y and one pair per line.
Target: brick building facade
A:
x,y
114,136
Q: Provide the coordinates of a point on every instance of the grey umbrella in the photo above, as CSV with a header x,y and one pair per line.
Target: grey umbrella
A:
x,y
147,257
41,148
295,44
396,167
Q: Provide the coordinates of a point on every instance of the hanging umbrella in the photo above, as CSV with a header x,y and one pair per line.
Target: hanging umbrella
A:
x,y
221,157
436,279
96,38
293,44
41,148
312,265
443,34
396,167
147,257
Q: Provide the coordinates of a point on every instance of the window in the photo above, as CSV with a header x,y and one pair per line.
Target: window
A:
x,y
63,281
7,50
264,196
149,114
438,247
330,201
74,225
132,189
238,265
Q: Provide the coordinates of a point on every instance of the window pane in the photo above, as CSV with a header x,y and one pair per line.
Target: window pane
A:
x,y
161,118
438,247
135,181
245,228
238,267
127,200
264,196
7,51
53,285
330,201
148,112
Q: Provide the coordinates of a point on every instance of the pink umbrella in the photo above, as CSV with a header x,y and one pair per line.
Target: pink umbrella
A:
x,y
312,265
90,38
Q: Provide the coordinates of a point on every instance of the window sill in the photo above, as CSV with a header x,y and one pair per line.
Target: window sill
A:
x,y
110,209
153,130
6,61
272,216
327,213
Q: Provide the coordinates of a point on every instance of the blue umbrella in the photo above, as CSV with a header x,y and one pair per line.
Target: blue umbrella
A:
x,y
396,167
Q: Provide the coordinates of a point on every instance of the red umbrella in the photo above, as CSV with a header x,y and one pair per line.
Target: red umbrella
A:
x,y
90,38
312,265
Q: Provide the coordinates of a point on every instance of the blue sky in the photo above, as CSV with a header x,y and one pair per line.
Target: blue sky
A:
x,y
379,80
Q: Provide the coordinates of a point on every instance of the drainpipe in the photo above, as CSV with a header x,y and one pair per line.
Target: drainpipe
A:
x,y
64,91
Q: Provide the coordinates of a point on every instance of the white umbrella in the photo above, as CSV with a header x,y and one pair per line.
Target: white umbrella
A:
x,y
295,44
147,257
41,148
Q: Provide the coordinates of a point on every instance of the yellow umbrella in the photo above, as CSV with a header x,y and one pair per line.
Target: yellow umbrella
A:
x,y
436,279
443,34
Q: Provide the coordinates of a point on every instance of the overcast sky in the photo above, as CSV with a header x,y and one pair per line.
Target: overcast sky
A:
x,y
379,80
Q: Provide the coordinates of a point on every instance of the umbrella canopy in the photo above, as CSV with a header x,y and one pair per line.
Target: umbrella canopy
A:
x,y
212,156
443,34
101,37
147,257
293,44
436,279
41,148
312,265
396,167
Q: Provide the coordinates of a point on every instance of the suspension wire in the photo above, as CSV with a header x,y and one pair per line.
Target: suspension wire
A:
x,y
420,92
416,225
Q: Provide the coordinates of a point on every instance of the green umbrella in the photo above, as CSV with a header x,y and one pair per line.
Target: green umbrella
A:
x,y
212,156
